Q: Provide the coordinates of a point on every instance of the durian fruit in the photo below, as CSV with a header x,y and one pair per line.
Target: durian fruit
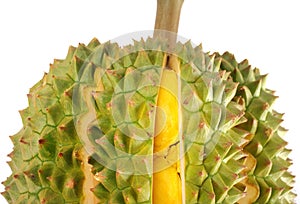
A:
x,y
157,121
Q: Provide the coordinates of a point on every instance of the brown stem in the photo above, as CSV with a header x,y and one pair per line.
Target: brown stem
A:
x,y
167,19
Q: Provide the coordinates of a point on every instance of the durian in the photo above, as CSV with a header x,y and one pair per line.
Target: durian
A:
x,y
158,121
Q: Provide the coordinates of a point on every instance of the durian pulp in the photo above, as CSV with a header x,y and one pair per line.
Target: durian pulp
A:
x,y
252,190
167,182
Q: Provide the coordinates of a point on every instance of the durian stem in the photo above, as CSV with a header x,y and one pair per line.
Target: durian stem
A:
x,y
167,19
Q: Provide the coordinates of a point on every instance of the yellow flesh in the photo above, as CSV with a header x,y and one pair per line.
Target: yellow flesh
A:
x,y
166,182
252,190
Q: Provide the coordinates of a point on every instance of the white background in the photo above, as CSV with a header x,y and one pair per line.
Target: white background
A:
x,y
33,33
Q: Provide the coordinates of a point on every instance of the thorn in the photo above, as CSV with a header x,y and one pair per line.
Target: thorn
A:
x,y
28,174
112,72
148,134
268,162
66,93
211,196
280,188
228,144
99,177
268,132
149,113
186,101
23,141
70,183
201,125
282,145
266,106
239,148
62,127
10,155
194,193
130,102
242,88
94,94
217,158
233,118
42,141
244,167
240,100
43,201
240,114
235,176
109,105
76,154
226,90
60,155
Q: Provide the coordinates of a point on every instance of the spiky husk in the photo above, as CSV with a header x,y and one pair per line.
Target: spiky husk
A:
x,y
227,116
267,146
